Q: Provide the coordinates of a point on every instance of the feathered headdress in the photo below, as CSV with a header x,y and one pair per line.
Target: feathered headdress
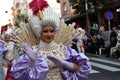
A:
x,y
42,13
38,5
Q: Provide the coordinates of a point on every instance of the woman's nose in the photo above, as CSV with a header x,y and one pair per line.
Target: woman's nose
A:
x,y
49,33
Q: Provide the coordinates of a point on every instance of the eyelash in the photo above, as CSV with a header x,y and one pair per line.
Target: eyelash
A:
x,y
48,31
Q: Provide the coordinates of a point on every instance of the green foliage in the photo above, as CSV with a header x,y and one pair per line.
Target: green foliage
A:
x,y
79,5
20,18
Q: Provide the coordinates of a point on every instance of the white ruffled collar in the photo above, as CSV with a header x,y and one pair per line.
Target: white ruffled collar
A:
x,y
42,44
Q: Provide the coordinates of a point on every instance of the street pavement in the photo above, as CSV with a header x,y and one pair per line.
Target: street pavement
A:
x,y
104,68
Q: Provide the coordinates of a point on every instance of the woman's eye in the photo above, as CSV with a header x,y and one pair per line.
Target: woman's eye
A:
x,y
45,31
48,31
52,31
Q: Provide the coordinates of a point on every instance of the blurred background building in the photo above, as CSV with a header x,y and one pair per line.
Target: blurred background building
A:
x,y
75,10
94,10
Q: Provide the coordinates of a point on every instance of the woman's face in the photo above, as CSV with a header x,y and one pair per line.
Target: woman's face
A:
x,y
47,34
7,39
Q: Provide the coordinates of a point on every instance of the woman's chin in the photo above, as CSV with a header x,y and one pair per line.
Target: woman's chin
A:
x,y
48,41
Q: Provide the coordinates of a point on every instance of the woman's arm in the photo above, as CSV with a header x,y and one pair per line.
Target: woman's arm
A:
x,y
30,66
82,65
23,71
3,47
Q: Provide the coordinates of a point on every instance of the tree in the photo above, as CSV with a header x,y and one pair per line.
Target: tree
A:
x,y
79,5
21,17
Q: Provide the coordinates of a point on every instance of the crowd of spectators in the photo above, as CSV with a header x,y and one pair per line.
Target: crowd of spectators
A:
x,y
95,41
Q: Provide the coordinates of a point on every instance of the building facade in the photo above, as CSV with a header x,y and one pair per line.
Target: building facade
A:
x,y
97,15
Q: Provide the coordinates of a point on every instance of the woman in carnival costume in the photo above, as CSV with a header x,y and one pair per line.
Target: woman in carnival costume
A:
x,y
49,57
7,51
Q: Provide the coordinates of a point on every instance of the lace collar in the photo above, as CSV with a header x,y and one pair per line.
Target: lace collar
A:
x,y
46,45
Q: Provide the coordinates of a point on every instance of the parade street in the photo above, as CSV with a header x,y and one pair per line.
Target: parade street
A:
x,y
104,68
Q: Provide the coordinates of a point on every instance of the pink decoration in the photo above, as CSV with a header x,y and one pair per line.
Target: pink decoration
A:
x,y
37,5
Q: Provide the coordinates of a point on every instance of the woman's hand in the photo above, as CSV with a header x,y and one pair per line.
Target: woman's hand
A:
x,y
61,63
31,52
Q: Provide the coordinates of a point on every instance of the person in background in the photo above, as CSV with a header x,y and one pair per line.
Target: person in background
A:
x,y
94,30
113,41
49,60
4,29
80,46
88,45
101,29
115,51
8,56
119,26
95,26
80,40
94,45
